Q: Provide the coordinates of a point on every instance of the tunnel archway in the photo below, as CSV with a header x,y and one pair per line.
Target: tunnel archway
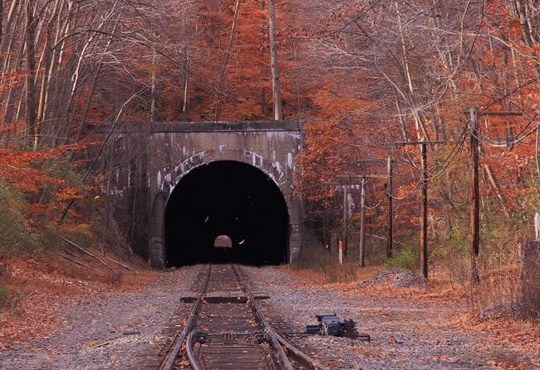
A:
x,y
226,198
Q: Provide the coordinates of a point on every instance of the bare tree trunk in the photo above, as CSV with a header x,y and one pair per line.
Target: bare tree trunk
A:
x,y
221,74
31,117
185,67
276,86
496,187
186,88
46,67
526,30
94,84
49,57
421,131
1,20
88,103
79,73
153,83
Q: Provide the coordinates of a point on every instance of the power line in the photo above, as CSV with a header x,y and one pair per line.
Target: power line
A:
x,y
446,163
518,140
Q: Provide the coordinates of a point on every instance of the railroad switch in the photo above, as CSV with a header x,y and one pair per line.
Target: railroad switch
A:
x,y
331,324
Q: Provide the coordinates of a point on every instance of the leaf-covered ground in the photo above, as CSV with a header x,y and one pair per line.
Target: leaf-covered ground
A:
x,y
424,327
60,321
63,322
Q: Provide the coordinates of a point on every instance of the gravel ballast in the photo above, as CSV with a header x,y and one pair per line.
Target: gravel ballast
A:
x,y
404,333
130,329
115,330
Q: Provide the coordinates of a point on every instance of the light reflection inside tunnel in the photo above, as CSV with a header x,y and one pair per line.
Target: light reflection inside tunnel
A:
x,y
226,198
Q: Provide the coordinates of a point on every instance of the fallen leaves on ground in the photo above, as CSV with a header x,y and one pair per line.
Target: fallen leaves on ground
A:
x,y
41,287
522,336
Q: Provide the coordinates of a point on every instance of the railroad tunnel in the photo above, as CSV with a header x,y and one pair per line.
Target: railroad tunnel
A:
x,y
226,198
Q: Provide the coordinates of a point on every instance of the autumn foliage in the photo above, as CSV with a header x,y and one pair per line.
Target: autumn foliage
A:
x,y
361,76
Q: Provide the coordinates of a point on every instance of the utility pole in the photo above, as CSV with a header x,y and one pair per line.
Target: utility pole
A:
x,y
475,194
424,207
424,216
344,227
347,183
475,197
344,222
390,197
362,249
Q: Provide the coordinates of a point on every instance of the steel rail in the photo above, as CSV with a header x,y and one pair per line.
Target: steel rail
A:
x,y
301,355
194,362
169,360
278,342
268,330
283,348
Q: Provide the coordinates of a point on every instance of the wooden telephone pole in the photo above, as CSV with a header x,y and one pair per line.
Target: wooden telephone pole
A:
x,y
345,229
424,215
475,194
344,222
475,197
361,245
390,198
424,208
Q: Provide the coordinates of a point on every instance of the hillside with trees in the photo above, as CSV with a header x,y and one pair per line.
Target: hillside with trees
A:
x,y
370,80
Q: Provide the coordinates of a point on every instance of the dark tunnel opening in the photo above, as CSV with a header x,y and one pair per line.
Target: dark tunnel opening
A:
x,y
226,198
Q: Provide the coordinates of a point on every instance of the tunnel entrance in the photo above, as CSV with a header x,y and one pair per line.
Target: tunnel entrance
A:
x,y
226,198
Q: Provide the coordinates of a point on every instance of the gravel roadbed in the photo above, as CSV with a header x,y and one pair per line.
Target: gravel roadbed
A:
x,y
116,330
130,330
405,334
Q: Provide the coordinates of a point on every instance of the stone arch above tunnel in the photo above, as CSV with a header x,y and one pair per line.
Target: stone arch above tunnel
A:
x,y
226,197
274,170
174,152
149,159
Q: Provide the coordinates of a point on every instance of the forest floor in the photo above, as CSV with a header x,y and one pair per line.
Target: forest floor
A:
x,y
59,319
426,326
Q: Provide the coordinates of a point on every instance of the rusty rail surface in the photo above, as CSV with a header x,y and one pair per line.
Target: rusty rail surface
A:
x,y
227,330
172,355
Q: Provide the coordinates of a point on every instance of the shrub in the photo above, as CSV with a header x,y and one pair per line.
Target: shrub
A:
x,y
9,301
406,258
15,233
4,296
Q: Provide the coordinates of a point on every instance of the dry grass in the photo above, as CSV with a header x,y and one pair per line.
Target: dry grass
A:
x,y
463,304
500,281
498,289
334,273
522,336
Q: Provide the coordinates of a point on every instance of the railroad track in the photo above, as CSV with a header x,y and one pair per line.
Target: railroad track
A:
x,y
226,330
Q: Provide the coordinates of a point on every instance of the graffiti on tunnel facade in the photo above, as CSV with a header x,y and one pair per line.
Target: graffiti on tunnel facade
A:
x,y
150,160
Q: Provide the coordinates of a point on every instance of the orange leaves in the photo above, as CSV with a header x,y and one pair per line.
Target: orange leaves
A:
x,y
20,167
334,101
15,168
42,177
69,193
10,79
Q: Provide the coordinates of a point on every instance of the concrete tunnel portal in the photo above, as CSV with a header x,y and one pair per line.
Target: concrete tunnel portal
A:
x,y
226,198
